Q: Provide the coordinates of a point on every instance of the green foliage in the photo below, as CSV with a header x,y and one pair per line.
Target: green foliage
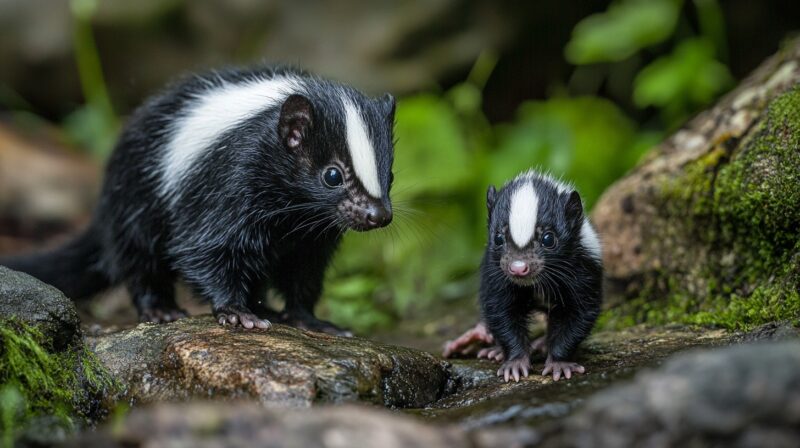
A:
x,y
627,27
683,81
677,84
36,383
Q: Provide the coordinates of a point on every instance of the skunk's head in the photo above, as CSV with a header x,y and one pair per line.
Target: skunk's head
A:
x,y
536,228
343,148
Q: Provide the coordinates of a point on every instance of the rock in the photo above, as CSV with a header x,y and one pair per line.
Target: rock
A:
x,y
705,229
772,331
481,400
197,358
40,305
733,396
249,424
738,396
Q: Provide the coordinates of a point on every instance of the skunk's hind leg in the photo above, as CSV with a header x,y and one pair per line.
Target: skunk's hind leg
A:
x,y
154,297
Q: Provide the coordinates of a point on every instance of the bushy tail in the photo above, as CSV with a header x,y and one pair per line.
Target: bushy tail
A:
x,y
74,268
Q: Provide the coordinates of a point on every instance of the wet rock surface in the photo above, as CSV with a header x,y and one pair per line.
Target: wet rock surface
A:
x,y
40,305
737,396
481,399
197,358
740,395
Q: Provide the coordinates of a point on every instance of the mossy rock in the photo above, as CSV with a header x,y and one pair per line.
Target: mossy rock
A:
x,y
49,383
706,230
42,306
47,393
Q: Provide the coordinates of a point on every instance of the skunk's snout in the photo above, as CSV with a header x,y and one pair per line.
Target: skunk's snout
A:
x,y
365,215
377,216
519,268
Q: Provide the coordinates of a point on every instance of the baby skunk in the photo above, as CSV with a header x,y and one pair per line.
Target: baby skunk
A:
x,y
235,181
542,255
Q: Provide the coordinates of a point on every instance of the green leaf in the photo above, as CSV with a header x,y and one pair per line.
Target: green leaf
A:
x,y
429,139
627,27
683,81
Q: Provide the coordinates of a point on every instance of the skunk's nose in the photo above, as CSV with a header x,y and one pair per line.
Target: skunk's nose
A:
x,y
378,216
519,268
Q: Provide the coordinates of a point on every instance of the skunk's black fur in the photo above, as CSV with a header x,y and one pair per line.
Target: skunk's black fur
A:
x,y
567,285
250,213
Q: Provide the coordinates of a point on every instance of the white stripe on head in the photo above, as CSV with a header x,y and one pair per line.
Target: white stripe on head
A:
x,y
560,186
361,150
211,114
590,241
522,216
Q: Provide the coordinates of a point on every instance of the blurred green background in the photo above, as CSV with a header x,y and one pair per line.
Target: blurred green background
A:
x,y
486,89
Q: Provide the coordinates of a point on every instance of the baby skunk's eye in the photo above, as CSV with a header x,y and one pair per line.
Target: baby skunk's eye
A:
x,y
499,239
548,240
332,177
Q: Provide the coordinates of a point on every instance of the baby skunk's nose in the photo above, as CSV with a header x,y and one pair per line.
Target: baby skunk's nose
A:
x,y
519,268
378,216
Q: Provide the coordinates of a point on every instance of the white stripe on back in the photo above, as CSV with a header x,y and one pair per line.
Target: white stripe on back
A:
x,y
361,150
590,241
213,113
522,216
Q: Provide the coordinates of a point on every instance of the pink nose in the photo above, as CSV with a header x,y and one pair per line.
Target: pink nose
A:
x,y
519,268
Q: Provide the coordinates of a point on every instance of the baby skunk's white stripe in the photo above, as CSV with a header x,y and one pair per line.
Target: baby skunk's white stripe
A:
x,y
213,113
590,240
361,150
522,216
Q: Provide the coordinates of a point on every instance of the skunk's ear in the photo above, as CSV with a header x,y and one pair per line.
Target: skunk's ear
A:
x,y
390,105
491,196
295,121
574,209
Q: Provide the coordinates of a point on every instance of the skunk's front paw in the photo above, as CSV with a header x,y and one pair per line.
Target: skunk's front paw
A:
x,y
234,315
559,367
515,368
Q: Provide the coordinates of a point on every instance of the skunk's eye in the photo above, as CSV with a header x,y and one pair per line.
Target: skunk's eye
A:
x,y
499,239
332,177
548,240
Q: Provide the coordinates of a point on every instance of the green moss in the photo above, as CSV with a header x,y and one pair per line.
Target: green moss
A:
x,y
35,382
727,241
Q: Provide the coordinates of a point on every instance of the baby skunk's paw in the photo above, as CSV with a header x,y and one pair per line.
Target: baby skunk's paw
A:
x,y
559,367
469,341
515,368
494,353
